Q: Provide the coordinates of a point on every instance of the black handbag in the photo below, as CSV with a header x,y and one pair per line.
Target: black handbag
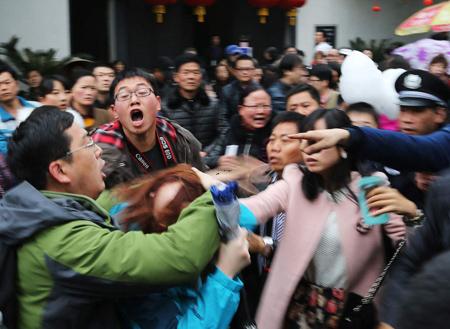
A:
x,y
359,312
365,317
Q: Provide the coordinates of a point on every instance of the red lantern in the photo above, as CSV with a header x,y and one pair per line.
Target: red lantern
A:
x,y
263,6
200,10
291,7
427,2
376,8
159,8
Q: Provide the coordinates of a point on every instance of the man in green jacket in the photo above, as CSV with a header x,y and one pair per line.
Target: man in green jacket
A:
x,y
72,264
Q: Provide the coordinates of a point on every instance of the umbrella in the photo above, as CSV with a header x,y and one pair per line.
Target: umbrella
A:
x,y
420,53
435,18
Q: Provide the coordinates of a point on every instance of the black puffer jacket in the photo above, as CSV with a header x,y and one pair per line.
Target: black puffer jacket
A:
x,y
201,116
250,142
231,94
427,242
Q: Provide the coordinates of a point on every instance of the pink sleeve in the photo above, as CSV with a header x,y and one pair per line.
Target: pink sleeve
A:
x,y
395,229
269,202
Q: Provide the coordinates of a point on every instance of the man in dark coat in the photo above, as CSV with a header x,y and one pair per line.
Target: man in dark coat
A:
x,y
243,70
191,107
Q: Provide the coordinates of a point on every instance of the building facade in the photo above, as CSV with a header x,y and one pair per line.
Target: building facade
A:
x,y
127,29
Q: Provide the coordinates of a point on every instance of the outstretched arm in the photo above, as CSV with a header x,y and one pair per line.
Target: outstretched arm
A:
x,y
416,153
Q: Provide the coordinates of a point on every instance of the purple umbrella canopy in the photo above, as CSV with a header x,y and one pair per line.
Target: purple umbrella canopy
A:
x,y
420,53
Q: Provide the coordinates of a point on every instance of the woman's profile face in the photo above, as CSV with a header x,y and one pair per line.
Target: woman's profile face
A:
x,y
321,162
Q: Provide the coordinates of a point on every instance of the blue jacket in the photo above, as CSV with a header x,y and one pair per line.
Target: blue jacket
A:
x,y
212,305
278,92
400,151
8,123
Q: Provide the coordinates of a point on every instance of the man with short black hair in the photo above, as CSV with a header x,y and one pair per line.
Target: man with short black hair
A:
x,y
243,70
13,108
138,141
320,78
291,70
363,115
104,76
190,106
73,265
34,79
303,99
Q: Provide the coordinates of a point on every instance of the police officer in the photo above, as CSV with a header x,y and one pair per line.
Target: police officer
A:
x,y
422,111
423,102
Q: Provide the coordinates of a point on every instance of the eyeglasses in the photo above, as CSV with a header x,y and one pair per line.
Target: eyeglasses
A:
x,y
90,144
126,95
259,106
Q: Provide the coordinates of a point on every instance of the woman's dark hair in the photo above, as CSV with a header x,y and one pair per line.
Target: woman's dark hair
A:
x,y
77,74
304,87
312,183
37,141
47,85
252,87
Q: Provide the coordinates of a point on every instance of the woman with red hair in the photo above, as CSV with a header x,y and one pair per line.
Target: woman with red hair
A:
x,y
153,203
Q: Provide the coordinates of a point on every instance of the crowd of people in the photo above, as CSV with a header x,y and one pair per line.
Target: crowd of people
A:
x,y
121,191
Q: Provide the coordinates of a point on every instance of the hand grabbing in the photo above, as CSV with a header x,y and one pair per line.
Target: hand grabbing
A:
x,y
234,255
385,199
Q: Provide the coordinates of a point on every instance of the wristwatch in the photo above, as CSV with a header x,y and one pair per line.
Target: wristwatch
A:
x,y
268,245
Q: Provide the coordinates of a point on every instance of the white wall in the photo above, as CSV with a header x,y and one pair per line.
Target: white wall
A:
x,y
353,18
40,24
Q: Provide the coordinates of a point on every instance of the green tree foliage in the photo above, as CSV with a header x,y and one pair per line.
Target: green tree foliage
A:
x,y
379,48
25,60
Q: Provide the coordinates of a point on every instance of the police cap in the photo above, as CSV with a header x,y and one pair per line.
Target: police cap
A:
x,y
418,88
